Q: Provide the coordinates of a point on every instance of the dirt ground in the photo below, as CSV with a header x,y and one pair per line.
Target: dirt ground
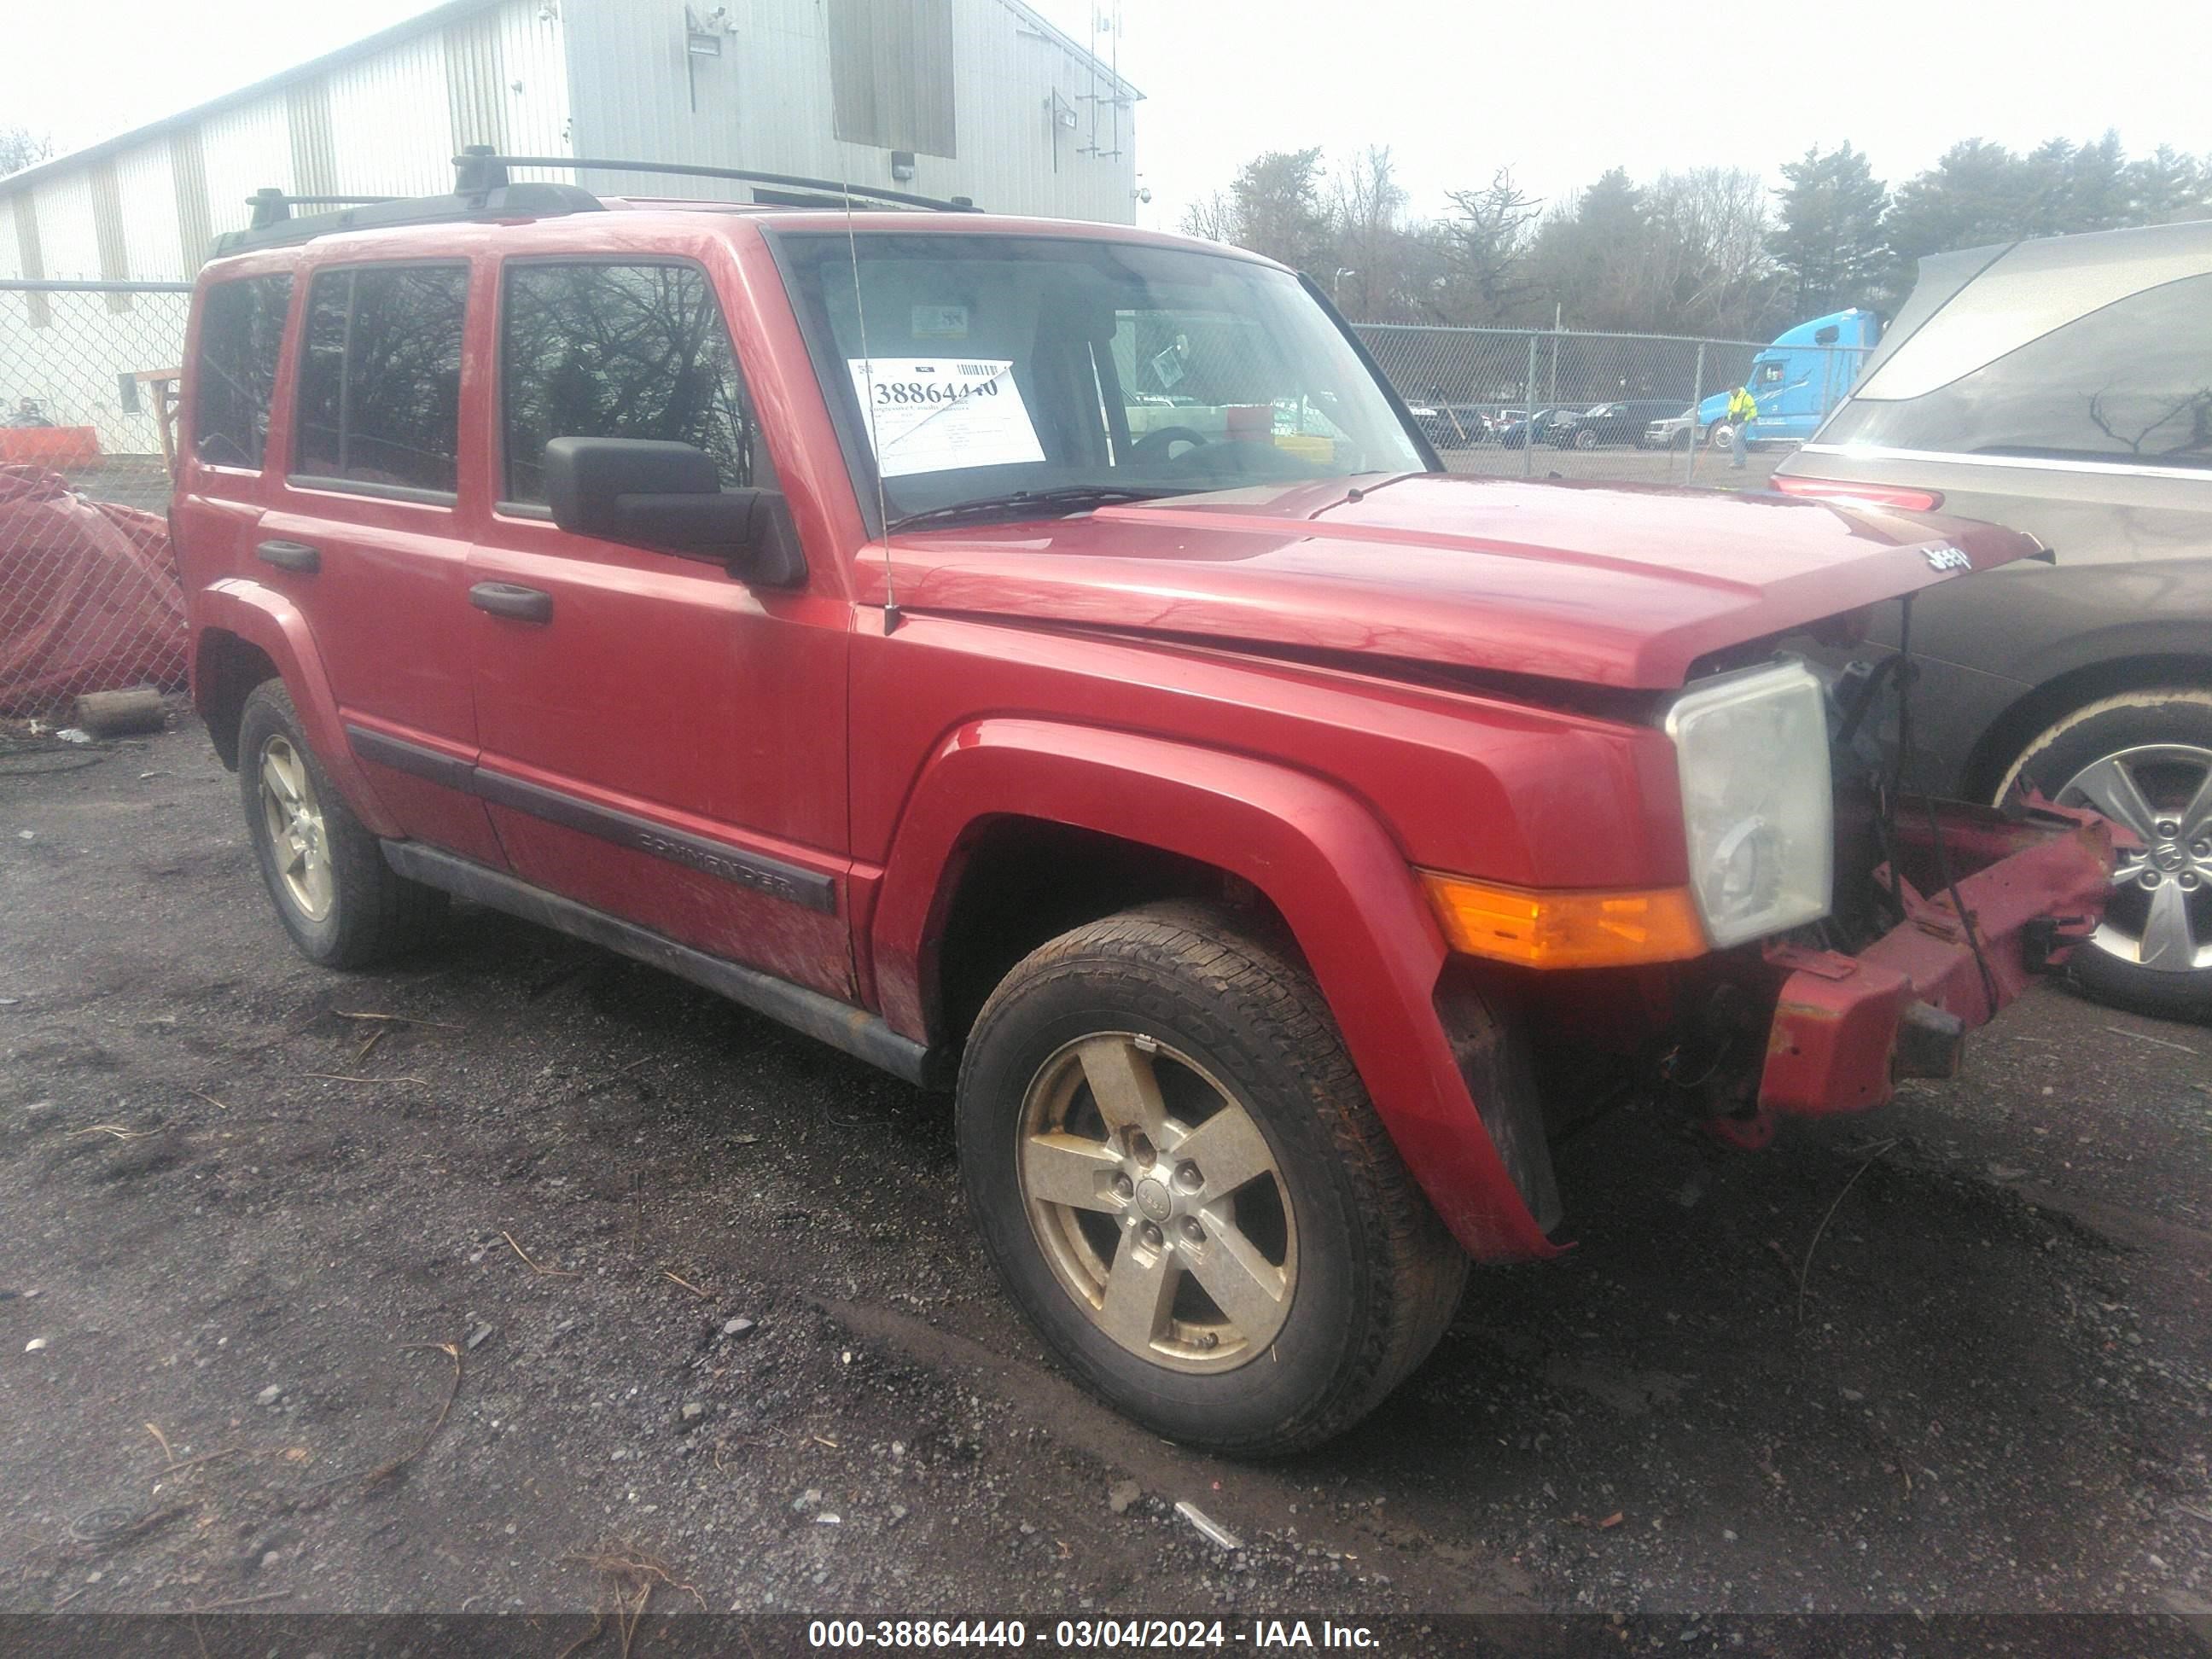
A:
x,y
455,1286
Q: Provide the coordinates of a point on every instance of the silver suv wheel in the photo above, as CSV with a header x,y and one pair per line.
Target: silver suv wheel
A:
x,y
2144,759
2160,912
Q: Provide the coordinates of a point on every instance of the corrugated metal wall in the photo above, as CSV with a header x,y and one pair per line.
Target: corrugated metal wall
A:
x,y
612,77
607,77
383,123
766,100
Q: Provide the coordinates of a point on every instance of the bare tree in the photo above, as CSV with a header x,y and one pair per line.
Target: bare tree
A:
x,y
1486,242
1708,240
1212,217
22,148
1366,206
2197,405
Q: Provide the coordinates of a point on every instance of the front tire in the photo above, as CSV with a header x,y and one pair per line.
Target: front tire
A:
x,y
1173,1165
344,905
2144,759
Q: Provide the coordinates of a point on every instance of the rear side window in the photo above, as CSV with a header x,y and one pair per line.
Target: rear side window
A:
x,y
595,350
380,377
2131,382
242,330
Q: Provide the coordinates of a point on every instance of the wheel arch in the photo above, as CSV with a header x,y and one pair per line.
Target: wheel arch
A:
x,y
1313,856
226,668
241,627
1017,880
2005,742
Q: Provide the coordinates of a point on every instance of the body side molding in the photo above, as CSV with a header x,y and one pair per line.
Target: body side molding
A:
x,y
854,1031
809,889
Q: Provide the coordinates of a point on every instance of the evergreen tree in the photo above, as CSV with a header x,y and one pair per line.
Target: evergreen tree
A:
x,y
1978,193
2164,186
1279,211
1829,246
2097,185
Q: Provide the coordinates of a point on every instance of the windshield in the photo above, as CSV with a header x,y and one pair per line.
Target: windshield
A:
x,y
1000,369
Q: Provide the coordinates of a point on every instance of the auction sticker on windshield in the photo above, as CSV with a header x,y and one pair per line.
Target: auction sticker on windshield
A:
x,y
938,413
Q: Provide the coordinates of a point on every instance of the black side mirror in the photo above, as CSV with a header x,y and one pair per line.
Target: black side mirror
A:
x,y
667,497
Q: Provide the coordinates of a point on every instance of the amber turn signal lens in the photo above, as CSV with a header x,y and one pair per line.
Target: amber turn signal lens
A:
x,y
1566,929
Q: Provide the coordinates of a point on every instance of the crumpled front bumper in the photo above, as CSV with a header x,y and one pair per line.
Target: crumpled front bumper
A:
x,y
1846,1028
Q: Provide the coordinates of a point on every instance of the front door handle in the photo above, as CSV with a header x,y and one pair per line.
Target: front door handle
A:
x,y
530,605
290,555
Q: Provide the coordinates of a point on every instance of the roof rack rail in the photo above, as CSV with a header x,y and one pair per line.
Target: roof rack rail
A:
x,y
482,190
497,165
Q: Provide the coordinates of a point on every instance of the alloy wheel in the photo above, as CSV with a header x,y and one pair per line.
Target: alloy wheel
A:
x,y
2159,915
297,835
1158,1202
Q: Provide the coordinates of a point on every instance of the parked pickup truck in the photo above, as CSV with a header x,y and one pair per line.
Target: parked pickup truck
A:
x,y
1807,372
1268,838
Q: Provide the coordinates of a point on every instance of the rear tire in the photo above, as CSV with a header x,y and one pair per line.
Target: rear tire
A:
x,y
344,905
2143,759
1269,1166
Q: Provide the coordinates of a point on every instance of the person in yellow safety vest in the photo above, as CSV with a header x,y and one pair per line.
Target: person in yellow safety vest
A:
x,y
1743,411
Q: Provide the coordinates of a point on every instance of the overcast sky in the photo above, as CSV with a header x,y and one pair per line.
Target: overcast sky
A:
x,y
1558,90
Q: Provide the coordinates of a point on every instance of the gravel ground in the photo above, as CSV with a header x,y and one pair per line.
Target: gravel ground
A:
x,y
558,1274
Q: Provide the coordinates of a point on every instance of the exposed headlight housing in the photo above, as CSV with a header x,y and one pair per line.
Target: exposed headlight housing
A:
x,y
1757,801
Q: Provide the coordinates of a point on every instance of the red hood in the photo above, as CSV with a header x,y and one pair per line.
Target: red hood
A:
x,y
1618,585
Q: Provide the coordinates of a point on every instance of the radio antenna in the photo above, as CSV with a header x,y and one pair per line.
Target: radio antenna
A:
x,y
868,402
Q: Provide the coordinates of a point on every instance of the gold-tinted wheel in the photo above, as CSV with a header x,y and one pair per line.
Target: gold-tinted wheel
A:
x,y
342,902
1158,1203
1174,1168
297,835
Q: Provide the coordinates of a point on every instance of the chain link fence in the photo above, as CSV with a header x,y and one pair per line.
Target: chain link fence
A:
x,y
89,599
1611,407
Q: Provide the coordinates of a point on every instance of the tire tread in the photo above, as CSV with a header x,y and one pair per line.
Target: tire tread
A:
x,y
1413,1270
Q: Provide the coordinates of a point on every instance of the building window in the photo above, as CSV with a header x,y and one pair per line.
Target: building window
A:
x,y
621,351
891,74
242,330
380,376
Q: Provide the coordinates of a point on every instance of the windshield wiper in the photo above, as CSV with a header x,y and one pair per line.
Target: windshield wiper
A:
x,y
1041,503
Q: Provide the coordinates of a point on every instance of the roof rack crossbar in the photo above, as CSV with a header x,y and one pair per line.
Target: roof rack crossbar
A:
x,y
742,175
271,206
522,201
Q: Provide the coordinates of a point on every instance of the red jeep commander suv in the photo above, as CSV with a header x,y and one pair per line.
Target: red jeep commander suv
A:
x,y
1046,660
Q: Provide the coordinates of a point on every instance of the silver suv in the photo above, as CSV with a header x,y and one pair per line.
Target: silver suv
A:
x,y
2064,387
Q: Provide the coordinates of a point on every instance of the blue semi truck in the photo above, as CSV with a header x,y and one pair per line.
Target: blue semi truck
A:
x,y
1796,381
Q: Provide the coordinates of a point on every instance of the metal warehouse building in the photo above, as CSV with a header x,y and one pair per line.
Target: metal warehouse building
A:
x,y
976,98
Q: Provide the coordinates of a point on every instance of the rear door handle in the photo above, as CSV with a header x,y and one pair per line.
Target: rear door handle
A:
x,y
530,605
290,555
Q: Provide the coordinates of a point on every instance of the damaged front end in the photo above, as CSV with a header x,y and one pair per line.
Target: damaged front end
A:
x,y
2025,888
1943,913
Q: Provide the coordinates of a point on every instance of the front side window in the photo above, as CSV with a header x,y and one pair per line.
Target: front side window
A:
x,y
1770,374
620,351
2131,382
380,377
241,331
995,366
